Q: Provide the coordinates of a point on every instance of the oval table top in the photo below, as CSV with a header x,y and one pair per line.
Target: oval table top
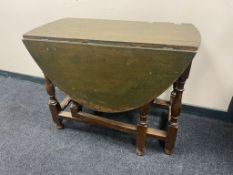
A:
x,y
110,65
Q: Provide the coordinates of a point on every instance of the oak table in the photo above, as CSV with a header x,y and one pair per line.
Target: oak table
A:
x,y
115,66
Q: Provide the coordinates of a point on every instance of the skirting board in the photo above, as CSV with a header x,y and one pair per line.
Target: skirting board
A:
x,y
198,111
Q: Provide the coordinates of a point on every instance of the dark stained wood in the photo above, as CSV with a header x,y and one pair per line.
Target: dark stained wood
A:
x,y
54,105
108,123
176,97
141,130
95,120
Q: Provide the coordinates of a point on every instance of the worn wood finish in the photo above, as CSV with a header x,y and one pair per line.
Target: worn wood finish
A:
x,y
115,66
176,97
123,33
117,69
110,79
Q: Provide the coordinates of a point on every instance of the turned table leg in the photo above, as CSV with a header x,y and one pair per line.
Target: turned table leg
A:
x,y
54,105
141,130
176,97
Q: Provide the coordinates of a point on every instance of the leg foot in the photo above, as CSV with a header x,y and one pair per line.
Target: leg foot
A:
x,y
59,125
140,140
139,152
167,151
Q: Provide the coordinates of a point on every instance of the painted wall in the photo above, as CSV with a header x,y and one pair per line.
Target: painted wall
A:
x,y
211,81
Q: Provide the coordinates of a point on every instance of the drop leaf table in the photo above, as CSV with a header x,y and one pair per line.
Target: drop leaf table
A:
x,y
115,66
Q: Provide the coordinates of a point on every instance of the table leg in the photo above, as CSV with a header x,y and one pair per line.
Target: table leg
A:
x,y
141,130
176,97
54,105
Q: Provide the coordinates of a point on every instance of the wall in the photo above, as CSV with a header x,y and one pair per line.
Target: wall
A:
x,y
211,81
